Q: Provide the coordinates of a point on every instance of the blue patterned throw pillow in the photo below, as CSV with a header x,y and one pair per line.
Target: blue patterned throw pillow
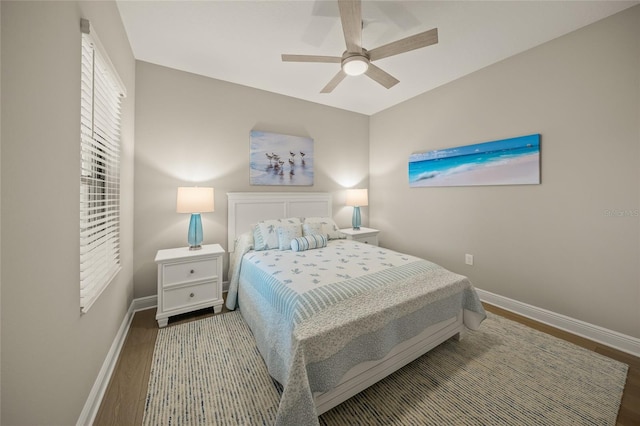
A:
x,y
327,227
286,233
265,233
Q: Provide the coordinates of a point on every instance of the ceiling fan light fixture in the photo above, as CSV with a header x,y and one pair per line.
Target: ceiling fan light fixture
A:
x,y
356,60
355,65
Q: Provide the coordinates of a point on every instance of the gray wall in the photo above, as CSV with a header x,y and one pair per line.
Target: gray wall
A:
x,y
0,212
51,354
550,245
195,130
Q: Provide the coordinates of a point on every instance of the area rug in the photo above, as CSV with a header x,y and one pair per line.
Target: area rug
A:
x,y
209,372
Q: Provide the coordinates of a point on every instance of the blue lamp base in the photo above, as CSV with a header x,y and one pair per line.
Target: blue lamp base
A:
x,y
195,232
355,220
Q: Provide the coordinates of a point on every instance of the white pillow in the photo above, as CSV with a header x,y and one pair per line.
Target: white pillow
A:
x,y
308,242
311,229
329,227
265,233
286,233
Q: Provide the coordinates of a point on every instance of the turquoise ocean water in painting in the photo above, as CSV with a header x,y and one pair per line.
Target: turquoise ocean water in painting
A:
x,y
433,164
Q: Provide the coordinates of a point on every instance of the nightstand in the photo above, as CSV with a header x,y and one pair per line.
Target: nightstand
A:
x,y
364,235
188,280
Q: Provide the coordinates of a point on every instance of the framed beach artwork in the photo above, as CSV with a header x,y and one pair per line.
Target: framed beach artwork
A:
x,y
277,159
514,161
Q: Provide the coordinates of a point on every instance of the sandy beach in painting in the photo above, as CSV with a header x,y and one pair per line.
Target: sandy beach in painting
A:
x,y
514,171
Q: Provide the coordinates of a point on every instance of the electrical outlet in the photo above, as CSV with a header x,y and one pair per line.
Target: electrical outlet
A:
x,y
468,259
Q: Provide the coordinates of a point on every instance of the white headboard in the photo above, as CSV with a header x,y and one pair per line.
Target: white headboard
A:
x,y
247,208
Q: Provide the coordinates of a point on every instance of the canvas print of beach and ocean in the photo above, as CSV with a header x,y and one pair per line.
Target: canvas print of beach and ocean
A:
x,y
280,159
514,161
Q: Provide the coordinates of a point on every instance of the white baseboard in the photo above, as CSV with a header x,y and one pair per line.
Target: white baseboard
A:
x,y
613,339
144,303
92,405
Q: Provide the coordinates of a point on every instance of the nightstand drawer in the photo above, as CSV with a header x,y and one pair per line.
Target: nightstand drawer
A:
x,y
175,273
176,298
373,240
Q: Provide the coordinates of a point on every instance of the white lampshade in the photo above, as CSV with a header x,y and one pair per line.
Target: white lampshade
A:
x,y
357,197
194,200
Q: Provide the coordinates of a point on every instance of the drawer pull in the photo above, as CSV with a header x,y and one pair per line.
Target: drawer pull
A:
x,y
191,295
192,271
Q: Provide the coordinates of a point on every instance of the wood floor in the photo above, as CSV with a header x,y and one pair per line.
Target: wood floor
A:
x,y
124,400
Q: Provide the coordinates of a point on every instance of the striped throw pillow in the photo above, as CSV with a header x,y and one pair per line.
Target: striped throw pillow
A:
x,y
308,242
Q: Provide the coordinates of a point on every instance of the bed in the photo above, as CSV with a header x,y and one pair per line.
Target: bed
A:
x,y
333,316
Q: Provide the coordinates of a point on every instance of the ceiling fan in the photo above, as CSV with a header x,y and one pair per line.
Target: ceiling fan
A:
x,y
356,60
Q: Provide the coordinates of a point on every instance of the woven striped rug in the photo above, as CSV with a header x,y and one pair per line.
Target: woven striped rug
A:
x,y
209,372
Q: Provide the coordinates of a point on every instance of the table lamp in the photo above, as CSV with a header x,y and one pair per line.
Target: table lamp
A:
x,y
357,198
195,200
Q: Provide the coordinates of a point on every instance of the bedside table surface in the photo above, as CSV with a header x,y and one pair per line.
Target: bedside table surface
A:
x,y
185,253
361,231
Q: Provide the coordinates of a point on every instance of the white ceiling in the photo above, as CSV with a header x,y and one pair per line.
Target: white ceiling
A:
x,y
241,41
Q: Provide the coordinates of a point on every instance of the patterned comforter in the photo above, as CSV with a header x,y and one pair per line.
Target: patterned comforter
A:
x,y
317,313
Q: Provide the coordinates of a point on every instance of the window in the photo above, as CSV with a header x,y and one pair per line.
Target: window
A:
x,y
101,92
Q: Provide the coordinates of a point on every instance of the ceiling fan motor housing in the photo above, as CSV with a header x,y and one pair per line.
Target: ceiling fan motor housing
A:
x,y
355,63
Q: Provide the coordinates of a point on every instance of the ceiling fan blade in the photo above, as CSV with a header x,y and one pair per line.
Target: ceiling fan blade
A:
x,y
382,77
351,17
413,42
311,58
334,82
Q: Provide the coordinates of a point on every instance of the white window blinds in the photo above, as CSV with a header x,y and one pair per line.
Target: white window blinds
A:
x,y
101,92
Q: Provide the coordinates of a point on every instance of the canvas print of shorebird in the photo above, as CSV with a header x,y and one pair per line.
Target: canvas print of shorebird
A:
x,y
277,159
